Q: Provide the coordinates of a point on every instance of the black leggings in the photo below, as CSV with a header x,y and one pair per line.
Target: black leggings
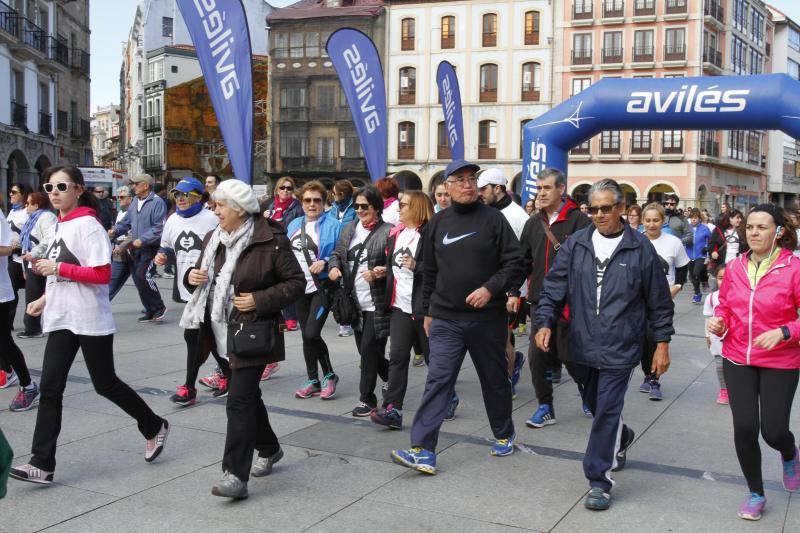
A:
x,y
17,283
311,314
34,289
404,331
11,357
760,397
698,273
98,354
648,351
199,343
373,358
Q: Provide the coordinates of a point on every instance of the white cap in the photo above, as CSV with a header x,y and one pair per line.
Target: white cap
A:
x,y
492,176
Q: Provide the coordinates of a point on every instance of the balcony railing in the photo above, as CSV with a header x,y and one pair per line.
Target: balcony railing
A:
x,y
610,147
674,52
19,115
59,51
676,6
582,57
487,152
612,55
713,9
582,9
405,152
294,114
152,162
152,122
45,123
62,121
353,164
531,95
709,147
641,146
613,9
34,36
79,60
643,54
9,19
644,7
712,56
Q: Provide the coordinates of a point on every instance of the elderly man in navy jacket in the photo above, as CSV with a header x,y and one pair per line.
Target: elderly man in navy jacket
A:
x,y
612,280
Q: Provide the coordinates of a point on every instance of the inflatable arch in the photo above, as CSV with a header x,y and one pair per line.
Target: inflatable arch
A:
x,y
762,102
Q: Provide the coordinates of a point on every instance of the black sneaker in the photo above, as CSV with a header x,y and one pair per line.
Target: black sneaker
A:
x,y
362,410
597,500
158,316
26,335
184,397
623,451
147,317
388,416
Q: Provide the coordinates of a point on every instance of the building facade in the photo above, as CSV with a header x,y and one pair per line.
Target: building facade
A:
x,y
44,88
502,54
105,127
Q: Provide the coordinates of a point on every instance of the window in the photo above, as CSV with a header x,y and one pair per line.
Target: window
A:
x,y
612,47
641,142
174,69
582,49
166,27
405,140
488,83
442,145
324,40
757,26
794,39
294,144
580,84
531,82
349,145
671,142
281,50
738,51
487,139
756,62
296,44
675,47
312,44
326,98
293,97
325,154
408,86
740,8
532,21
793,69
754,147
407,34
582,9
490,29
155,70
448,32
736,148
643,46
609,142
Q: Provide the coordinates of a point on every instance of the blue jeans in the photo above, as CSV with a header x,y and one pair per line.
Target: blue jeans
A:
x,y
137,264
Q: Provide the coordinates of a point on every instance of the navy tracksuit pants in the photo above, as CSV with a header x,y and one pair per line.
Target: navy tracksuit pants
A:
x,y
604,393
449,341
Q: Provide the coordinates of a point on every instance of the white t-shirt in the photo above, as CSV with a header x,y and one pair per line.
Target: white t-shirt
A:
x,y
6,290
710,305
392,213
672,254
312,245
604,248
732,239
184,236
16,220
82,308
357,252
406,243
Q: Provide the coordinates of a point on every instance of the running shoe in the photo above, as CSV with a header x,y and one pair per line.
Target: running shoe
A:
x,y
655,391
597,499
722,397
503,447
587,411
212,380
645,386
362,409
184,396
263,465
222,389
269,370
388,416
8,379
545,415
451,408
752,507
556,376
519,360
697,299
416,459
26,335
791,472
310,388
146,317
622,454
345,331
153,447
419,360
26,399
291,325
158,316
31,474
230,486
329,383
521,330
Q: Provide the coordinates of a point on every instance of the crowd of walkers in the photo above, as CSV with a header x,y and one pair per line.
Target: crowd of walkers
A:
x,y
431,277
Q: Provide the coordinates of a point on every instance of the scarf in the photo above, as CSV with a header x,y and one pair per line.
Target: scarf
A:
x,y
371,225
341,208
389,201
17,206
234,243
279,208
192,211
27,229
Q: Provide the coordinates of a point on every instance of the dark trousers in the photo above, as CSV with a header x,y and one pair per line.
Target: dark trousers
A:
x,y
138,265
311,314
760,397
248,424
648,351
198,345
11,357
373,358
34,289
698,273
98,354
17,283
604,393
449,342
540,362
404,332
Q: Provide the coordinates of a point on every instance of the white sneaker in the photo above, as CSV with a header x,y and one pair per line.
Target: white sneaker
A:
x,y
154,446
345,331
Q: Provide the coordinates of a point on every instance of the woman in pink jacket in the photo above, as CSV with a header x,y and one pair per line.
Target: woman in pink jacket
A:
x,y
757,318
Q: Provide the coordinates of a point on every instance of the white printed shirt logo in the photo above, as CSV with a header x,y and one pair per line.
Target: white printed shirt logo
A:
x,y
450,240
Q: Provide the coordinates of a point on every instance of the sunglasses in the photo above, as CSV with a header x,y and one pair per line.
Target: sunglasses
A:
x,y
184,194
670,203
60,187
312,200
12,191
605,209
286,188
361,207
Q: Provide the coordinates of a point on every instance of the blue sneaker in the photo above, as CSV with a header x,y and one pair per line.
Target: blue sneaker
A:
x,y
451,409
697,299
587,412
544,416
597,499
416,459
504,447
519,360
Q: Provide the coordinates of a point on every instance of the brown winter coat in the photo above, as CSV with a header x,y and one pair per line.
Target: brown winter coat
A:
x,y
267,268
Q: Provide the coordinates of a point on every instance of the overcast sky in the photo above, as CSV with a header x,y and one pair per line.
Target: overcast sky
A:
x,y
111,21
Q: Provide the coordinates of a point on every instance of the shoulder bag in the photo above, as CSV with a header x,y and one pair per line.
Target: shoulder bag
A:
x,y
344,305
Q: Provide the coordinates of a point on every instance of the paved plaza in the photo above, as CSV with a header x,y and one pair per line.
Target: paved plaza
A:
x,y
682,474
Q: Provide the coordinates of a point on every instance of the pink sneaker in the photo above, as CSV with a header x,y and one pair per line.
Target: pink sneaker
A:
x,y
310,388
269,370
752,507
291,325
329,383
791,473
212,380
722,397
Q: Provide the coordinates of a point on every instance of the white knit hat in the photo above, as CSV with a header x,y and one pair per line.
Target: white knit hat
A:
x,y
239,193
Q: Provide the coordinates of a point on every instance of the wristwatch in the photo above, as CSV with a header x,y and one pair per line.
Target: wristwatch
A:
x,y
786,333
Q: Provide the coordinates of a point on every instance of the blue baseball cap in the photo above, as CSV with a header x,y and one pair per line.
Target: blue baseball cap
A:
x,y
459,164
188,185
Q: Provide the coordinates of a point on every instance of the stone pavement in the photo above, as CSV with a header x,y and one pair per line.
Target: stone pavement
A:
x,y
682,474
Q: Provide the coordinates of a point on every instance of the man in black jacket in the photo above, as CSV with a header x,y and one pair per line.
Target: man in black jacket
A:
x,y
611,278
472,261
558,218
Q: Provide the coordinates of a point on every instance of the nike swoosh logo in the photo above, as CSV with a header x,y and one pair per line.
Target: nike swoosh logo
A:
x,y
447,240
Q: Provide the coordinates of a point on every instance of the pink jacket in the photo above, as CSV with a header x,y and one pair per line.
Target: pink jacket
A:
x,y
749,313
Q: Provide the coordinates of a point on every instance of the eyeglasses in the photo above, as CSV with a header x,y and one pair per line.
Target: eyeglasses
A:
x,y
605,209
472,179
285,188
361,207
312,200
62,186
